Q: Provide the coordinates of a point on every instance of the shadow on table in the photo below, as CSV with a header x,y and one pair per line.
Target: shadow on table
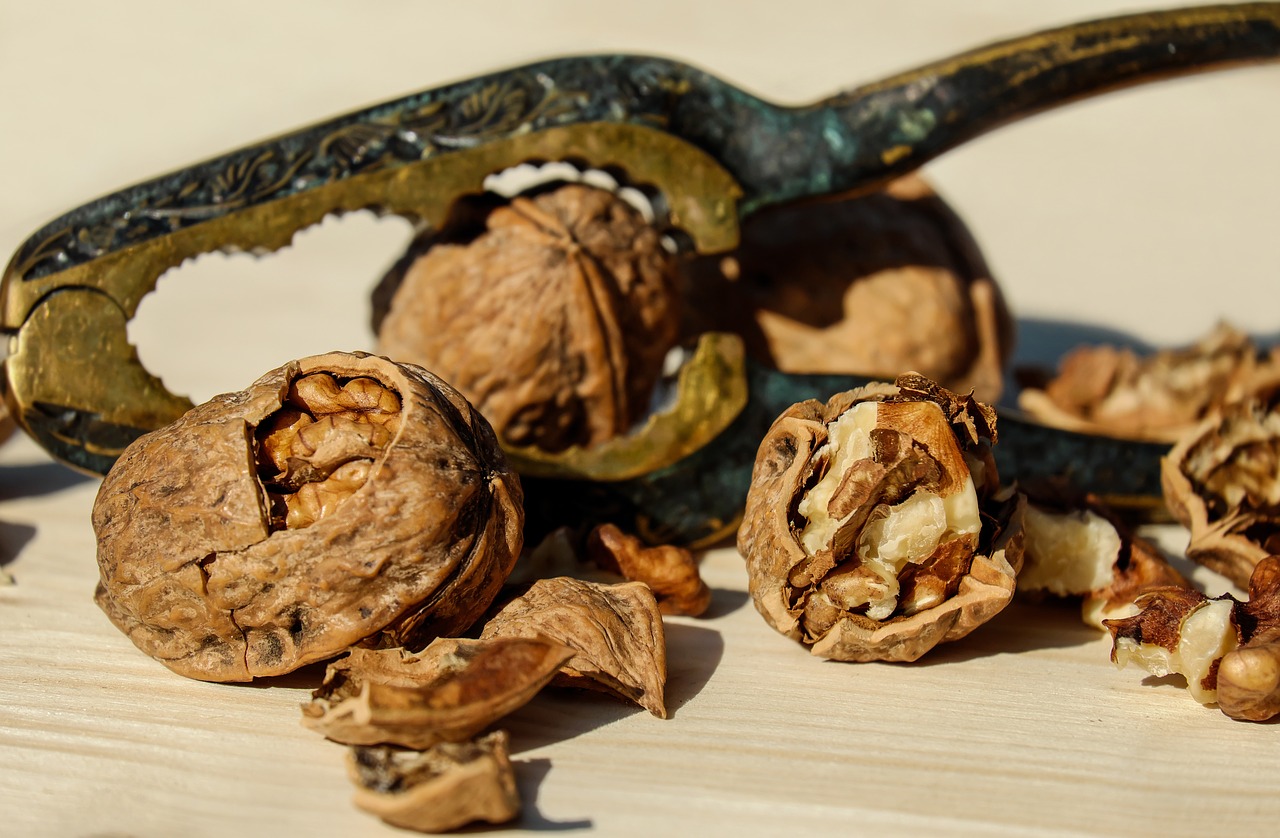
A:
x,y
36,479
529,776
724,601
1021,627
13,537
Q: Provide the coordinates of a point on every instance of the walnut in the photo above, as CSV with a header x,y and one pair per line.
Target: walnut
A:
x,y
340,499
670,571
448,786
1228,650
1222,482
554,321
1249,677
875,285
615,630
1160,397
863,532
449,692
1076,546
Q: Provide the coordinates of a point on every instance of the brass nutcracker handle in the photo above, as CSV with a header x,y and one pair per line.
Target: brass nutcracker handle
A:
x,y
716,153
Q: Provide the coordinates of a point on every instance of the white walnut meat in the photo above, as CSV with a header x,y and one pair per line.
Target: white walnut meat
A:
x,y
875,285
554,321
615,631
1222,481
445,787
1159,397
448,692
872,528
340,499
1075,545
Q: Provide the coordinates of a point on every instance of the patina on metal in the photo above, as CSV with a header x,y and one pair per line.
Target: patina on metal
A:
x,y
716,154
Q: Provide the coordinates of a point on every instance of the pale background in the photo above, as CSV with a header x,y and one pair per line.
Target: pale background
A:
x,y
1149,214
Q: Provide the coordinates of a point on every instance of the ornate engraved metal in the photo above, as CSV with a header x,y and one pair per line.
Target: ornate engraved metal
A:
x,y
716,153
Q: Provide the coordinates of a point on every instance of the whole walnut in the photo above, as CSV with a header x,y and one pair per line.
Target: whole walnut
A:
x,y
875,285
340,499
554,320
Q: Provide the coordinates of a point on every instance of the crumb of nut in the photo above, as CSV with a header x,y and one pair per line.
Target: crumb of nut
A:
x,y
671,571
445,787
616,632
826,288
554,321
1222,481
340,499
1161,396
1076,546
873,529
448,692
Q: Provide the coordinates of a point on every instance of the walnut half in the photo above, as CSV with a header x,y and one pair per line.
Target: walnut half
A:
x,y
340,499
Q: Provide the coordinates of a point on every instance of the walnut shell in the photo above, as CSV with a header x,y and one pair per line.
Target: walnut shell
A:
x,y
862,533
1222,482
1158,397
554,321
340,499
875,285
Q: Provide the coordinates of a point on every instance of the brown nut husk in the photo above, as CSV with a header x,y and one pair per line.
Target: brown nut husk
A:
x,y
1075,545
875,285
1222,482
448,692
669,570
554,321
1159,397
616,632
448,786
340,499
863,535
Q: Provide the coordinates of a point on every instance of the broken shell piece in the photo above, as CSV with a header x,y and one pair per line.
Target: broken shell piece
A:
x,y
1159,397
1075,546
875,285
1222,482
339,499
449,692
615,631
864,532
450,785
670,571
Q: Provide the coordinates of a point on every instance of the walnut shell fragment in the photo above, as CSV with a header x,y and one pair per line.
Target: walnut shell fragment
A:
x,y
449,692
1228,650
1158,397
670,571
448,786
340,499
615,630
1076,546
554,321
863,532
1222,482
875,285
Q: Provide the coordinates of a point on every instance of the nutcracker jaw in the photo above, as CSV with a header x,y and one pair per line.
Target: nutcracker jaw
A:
x,y
75,383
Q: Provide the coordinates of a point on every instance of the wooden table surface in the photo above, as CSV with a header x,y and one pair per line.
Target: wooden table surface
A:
x,y
1146,216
